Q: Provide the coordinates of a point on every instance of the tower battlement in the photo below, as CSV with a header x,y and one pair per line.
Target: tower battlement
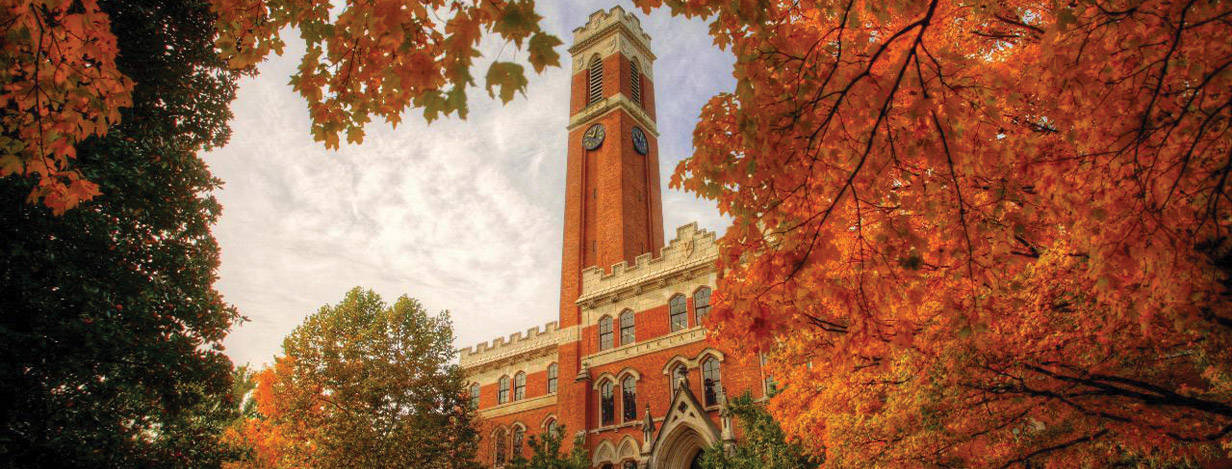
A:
x,y
600,21
692,248
514,344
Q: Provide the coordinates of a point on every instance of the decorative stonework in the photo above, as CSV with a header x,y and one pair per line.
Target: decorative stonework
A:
x,y
517,345
664,342
609,32
610,104
523,405
692,252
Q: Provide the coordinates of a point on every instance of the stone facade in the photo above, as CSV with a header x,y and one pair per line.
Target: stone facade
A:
x,y
632,309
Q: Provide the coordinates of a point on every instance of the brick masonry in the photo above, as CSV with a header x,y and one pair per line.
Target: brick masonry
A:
x,y
613,260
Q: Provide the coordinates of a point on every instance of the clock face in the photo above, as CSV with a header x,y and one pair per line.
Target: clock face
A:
x,y
639,141
593,137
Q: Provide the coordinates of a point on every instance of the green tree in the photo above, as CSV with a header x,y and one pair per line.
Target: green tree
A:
x,y
763,445
110,327
545,453
365,384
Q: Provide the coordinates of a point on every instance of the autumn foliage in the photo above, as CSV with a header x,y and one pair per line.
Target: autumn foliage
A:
x,y
58,85
979,234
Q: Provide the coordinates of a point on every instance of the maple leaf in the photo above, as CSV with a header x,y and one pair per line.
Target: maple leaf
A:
x,y
508,76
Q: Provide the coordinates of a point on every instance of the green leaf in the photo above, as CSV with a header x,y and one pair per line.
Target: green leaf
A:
x,y
543,51
517,21
509,76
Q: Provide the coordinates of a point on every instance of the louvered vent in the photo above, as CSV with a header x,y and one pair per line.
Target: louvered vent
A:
x,y
635,82
596,81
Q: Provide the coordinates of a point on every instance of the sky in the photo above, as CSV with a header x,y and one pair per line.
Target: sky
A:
x,y
464,215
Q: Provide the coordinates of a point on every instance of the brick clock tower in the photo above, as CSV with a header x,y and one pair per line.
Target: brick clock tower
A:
x,y
613,206
627,366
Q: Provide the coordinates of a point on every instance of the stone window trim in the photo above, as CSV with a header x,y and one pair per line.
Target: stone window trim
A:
x,y
473,395
628,399
712,381
606,333
502,394
701,310
607,402
628,327
553,373
617,377
499,446
517,439
519,386
677,312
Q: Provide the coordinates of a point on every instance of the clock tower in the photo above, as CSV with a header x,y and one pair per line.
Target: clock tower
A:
x,y
613,206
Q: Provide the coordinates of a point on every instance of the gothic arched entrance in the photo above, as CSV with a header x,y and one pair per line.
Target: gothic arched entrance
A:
x,y
682,449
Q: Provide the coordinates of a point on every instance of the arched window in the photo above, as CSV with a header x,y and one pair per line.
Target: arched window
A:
x,y
678,372
629,402
627,332
519,386
701,303
679,312
635,82
607,403
552,378
550,426
498,440
518,434
605,333
710,379
595,85
474,395
503,396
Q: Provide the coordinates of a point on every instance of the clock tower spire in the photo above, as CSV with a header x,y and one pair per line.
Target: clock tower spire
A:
x,y
613,205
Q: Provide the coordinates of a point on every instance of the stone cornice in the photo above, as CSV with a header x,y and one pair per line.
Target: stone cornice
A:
x,y
530,403
663,342
610,104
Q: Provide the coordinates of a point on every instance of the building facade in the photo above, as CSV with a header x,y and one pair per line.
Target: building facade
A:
x,y
627,365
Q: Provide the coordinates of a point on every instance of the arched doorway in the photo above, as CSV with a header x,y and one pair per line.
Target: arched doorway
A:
x,y
682,449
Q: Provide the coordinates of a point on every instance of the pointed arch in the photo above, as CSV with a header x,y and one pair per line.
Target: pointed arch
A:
x,y
628,449
605,453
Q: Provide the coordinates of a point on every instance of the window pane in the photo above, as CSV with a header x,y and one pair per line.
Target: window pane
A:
x,y
503,395
475,396
679,313
552,378
629,402
627,332
607,403
701,303
710,378
499,436
605,333
519,387
518,434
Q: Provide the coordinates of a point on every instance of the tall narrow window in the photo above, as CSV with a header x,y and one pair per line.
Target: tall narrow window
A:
x,y
635,82
595,85
518,434
710,378
629,398
498,439
503,396
474,396
679,372
679,312
701,303
605,333
627,332
552,378
607,403
519,386
551,427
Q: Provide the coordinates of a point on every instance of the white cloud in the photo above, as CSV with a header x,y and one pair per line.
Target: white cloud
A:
x,y
464,215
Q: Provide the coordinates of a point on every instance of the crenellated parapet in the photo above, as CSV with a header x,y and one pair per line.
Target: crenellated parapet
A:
x,y
513,346
694,250
608,32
